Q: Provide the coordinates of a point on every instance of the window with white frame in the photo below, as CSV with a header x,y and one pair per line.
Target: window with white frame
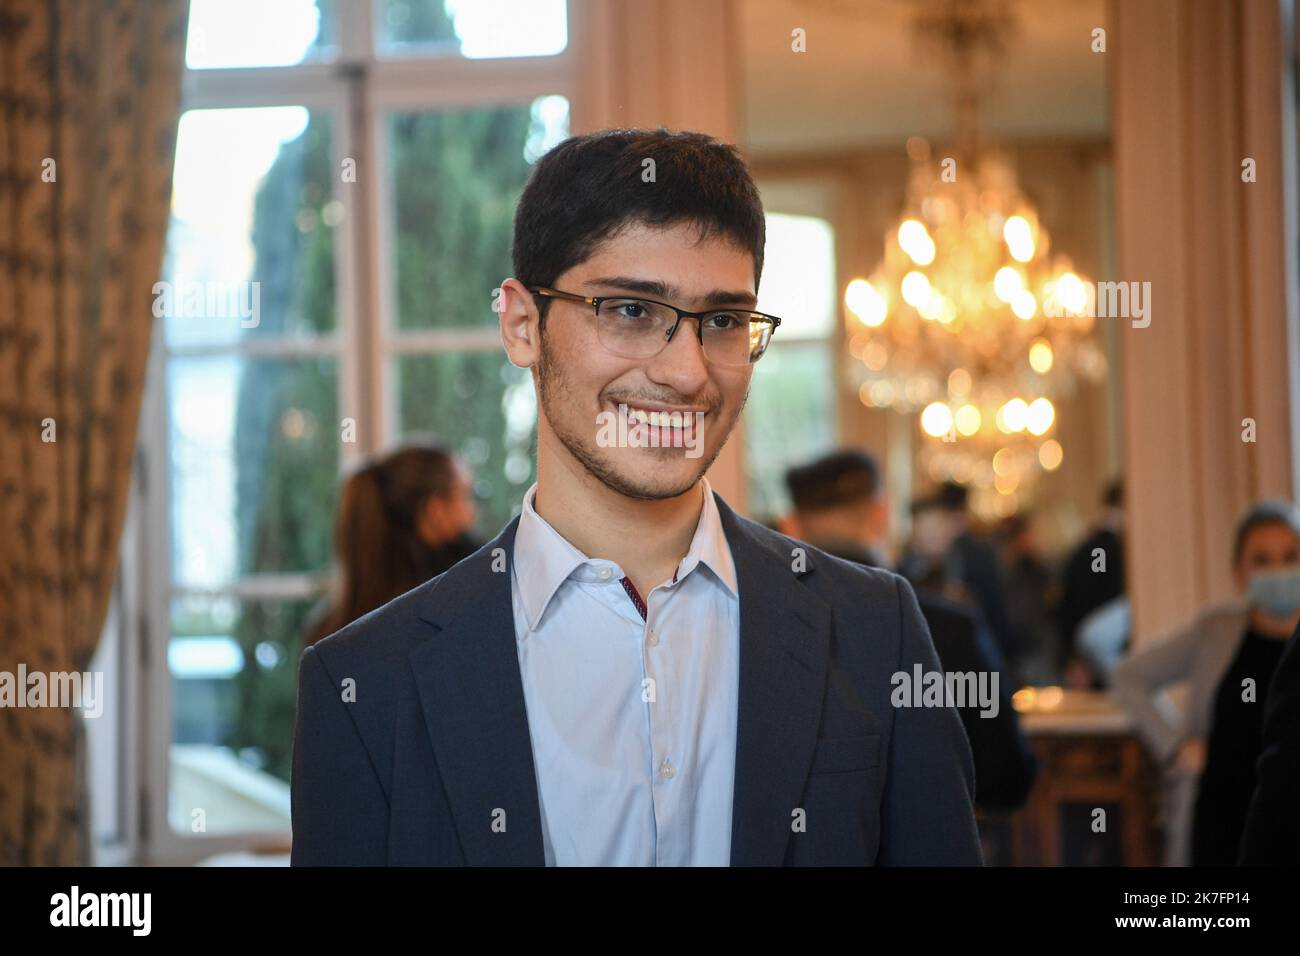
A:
x,y
790,415
346,176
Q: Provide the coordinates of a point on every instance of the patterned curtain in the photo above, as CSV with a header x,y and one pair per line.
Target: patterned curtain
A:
x,y
89,99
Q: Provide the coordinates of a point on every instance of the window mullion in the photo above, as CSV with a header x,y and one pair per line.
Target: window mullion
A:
x,y
361,275
357,31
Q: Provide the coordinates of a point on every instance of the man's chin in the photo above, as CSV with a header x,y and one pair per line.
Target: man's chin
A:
x,y
635,484
654,477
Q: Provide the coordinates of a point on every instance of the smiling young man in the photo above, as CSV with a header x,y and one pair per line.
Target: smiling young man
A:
x,y
631,673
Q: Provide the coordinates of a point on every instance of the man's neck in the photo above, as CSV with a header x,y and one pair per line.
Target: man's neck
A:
x,y
646,538
829,527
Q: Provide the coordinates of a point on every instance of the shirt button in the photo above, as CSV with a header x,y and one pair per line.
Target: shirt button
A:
x,y
651,639
604,574
667,770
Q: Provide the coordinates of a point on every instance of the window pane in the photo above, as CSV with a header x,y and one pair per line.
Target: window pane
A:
x,y
473,28
254,447
233,670
456,179
798,282
243,33
789,419
250,247
485,409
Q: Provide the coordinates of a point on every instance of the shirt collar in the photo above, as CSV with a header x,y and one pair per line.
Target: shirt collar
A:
x,y
544,559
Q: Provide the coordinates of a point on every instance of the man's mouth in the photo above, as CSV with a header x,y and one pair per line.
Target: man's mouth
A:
x,y
656,419
668,426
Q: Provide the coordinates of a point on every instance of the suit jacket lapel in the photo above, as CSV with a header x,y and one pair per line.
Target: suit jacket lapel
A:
x,y
471,693
784,646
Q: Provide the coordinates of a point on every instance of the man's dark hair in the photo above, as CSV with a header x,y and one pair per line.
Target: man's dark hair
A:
x,y
926,503
953,495
1113,496
589,187
1277,511
840,478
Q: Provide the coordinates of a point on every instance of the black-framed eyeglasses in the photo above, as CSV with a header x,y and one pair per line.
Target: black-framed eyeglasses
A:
x,y
637,328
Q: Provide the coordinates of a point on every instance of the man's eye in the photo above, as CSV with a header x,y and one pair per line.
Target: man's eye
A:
x,y
629,309
725,321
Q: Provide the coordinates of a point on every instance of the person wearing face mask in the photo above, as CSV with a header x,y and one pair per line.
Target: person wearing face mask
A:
x,y
403,519
1226,657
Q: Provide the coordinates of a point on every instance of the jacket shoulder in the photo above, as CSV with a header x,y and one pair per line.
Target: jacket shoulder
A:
x,y
389,632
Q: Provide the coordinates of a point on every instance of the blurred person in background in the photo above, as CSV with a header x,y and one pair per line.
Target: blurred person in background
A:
x,y
974,562
1103,638
943,556
1272,835
1093,575
1030,586
924,561
839,508
1227,657
403,518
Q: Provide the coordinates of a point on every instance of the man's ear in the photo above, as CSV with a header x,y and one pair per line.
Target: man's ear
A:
x,y
520,324
880,516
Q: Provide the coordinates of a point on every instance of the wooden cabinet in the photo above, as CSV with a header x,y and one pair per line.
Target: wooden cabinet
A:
x,y
1096,799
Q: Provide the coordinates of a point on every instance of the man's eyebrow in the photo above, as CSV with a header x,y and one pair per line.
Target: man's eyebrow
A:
x,y
658,289
651,287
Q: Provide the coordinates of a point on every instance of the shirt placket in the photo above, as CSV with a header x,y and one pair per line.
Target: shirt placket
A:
x,y
665,773
665,737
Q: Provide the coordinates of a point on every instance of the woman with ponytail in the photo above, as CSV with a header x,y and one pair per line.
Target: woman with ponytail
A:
x,y
403,518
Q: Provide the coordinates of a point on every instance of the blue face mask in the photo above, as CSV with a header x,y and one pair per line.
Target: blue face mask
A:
x,y
1276,593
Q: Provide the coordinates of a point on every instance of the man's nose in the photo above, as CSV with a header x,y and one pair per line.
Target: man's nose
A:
x,y
681,365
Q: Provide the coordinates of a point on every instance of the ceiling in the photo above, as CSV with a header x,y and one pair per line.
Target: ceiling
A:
x,y
866,81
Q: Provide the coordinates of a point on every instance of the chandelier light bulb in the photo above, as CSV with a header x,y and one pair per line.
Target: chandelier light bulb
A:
x,y
916,289
936,420
1007,282
1050,454
1071,293
1006,484
968,420
1040,416
1020,238
1024,305
936,307
1040,356
868,305
1013,416
916,242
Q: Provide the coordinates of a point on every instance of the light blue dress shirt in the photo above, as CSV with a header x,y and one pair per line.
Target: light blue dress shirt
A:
x,y
633,723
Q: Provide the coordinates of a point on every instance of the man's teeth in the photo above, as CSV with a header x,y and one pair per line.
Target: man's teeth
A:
x,y
656,419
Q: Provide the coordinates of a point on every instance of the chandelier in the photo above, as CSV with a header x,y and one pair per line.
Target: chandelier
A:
x,y
971,319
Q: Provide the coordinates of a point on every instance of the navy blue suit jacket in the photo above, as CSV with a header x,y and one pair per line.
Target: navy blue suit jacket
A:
x,y
412,743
